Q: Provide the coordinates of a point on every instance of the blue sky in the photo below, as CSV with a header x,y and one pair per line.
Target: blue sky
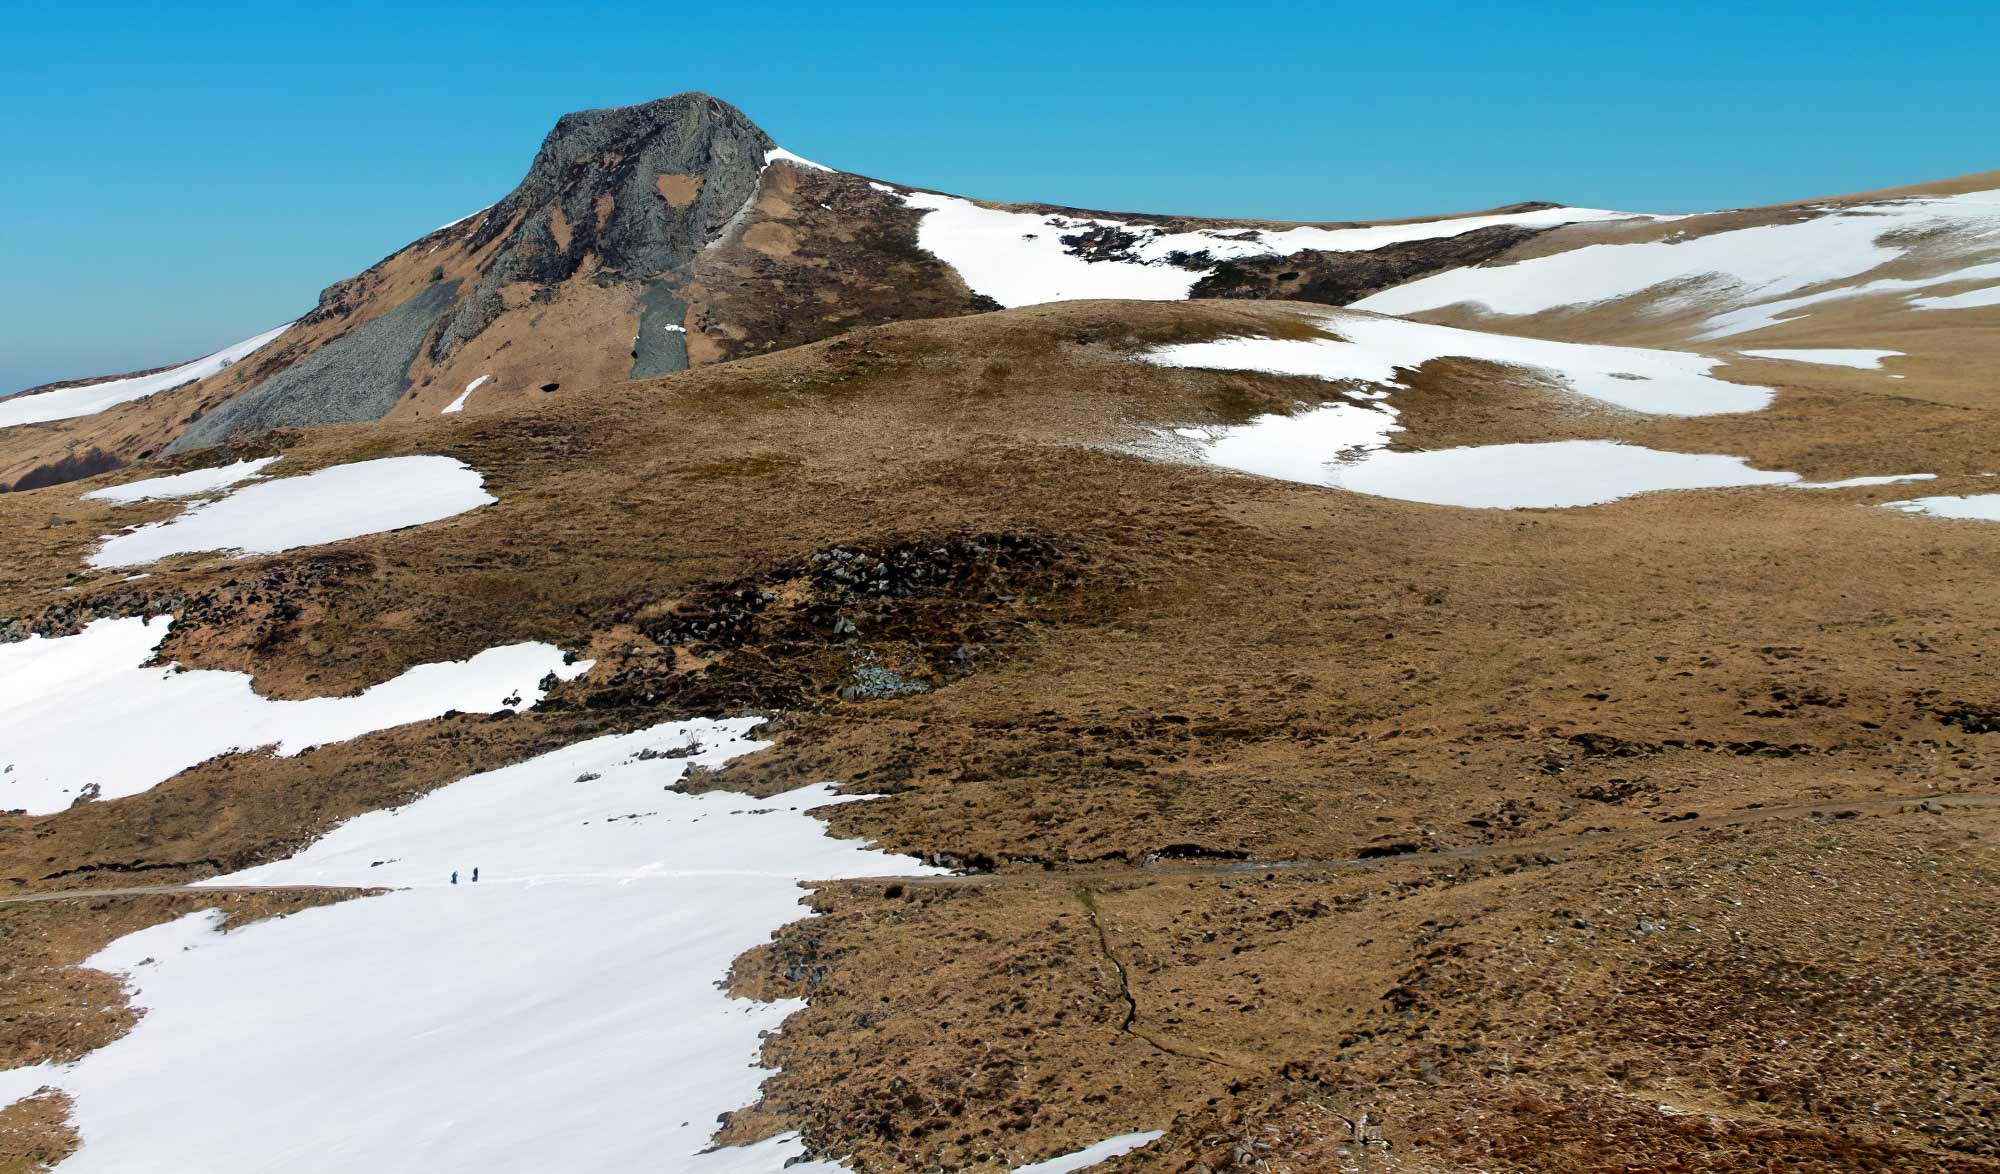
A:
x,y
178,177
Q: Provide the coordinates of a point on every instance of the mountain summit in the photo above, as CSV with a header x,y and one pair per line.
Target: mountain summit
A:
x,y
630,193
648,239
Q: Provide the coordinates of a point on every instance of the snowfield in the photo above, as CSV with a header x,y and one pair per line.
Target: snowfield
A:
x,y
563,1012
560,1014
1740,272
85,711
1864,360
1019,258
341,501
92,398
191,484
1374,349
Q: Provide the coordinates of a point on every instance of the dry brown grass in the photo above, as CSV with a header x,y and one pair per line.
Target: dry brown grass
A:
x,y
1215,666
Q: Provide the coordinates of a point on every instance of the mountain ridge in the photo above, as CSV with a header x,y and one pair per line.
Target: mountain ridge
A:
x,y
645,239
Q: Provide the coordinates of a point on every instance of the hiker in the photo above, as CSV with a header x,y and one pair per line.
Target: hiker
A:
x,y
475,876
454,876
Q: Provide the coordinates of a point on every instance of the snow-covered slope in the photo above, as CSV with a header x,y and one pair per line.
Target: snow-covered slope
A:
x,y
89,398
561,1013
85,715
327,505
1346,443
1744,279
1022,258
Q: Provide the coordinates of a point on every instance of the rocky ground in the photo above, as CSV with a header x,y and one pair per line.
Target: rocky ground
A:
x,y
1656,835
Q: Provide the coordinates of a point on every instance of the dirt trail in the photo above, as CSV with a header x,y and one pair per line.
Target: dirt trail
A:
x,y
1882,805
1844,808
220,890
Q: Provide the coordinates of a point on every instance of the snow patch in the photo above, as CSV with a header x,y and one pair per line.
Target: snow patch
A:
x,y
1857,482
1296,448
1971,299
1374,349
1020,259
1764,314
20,1083
86,711
776,153
458,405
1830,357
560,1014
92,398
191,484
1103,1151
1549,475
1739,271
331,504
1982,507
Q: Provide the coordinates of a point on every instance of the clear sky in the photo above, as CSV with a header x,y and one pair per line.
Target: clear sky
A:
x,y
176,177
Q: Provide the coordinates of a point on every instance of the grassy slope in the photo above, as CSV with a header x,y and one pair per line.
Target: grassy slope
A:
x,y
1202,663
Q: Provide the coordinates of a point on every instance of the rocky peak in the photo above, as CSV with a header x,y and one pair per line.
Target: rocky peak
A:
x,y
642,188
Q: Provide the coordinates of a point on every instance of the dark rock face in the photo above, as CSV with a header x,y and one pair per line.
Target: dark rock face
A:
x,y
358,376
641,187
1336,279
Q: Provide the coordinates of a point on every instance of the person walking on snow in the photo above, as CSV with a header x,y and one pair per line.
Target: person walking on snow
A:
x,y
475,876
454,876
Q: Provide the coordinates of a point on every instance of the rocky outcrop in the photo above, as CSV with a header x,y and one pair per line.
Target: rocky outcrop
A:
x,y
1336,279
637,190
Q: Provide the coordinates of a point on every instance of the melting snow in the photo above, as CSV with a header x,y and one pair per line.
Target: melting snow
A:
x,y
1343,445
1857,482
1550,475
776,153
341,501
1959,301
95,397
560,1014
458,405
191,484
85,710
1741,269
1830,357
1373,349
1019,258
1103,1151
1765,314
1296,448
16,1083
1984,507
